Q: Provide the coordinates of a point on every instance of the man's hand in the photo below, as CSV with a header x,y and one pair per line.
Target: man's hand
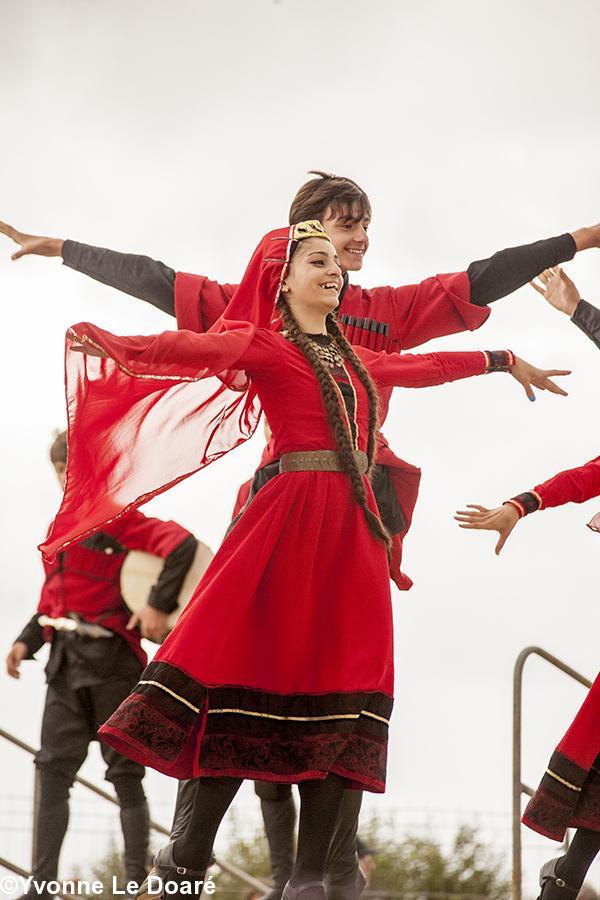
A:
x,y
152,623
587,238
557,288
502,519
530,376
30,244
18,652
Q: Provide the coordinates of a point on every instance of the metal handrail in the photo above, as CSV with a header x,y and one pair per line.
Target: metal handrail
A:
x,y
518,788
227,867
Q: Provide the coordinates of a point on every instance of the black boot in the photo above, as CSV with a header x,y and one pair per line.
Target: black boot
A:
x,y
350,891
165,869
279,817
51,826
552,885
135,825
311,890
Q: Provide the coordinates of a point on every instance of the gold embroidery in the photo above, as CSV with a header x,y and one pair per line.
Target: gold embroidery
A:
x,y
172,693
568,784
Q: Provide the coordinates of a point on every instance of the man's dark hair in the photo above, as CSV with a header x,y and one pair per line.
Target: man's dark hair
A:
x,y
341,196
58,448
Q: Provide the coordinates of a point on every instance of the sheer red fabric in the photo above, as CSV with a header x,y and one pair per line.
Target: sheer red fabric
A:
x,y
147,416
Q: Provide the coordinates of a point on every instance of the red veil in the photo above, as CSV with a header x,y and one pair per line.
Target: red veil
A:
x,y
142,416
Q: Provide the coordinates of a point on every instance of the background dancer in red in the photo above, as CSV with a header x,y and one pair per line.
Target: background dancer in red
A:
x,y
95,659
267,674
569,793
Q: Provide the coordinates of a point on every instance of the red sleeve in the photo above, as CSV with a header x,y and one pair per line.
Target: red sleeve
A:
x,y
572,486
199,302
421,370
434,308
139,532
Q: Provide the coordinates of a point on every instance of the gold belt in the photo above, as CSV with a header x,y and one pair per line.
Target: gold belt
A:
x,y
319,461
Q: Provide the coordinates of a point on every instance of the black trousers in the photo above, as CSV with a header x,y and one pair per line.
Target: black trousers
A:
x,y
70,721
279,815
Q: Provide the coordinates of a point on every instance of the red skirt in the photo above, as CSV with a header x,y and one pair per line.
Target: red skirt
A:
x,y
569,793
281,666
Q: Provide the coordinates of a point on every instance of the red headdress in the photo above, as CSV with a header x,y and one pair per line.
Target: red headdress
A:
x,y
142,416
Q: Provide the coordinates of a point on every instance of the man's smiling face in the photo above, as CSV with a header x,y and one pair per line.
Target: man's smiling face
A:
x,y
348,231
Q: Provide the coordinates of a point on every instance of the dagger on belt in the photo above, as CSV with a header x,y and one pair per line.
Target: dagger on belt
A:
x,y
75,626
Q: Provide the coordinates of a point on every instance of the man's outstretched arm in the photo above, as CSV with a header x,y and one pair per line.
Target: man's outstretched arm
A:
x,y
139,276
508,270
448,304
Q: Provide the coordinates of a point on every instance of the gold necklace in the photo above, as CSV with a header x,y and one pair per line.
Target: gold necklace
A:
x,y
328,353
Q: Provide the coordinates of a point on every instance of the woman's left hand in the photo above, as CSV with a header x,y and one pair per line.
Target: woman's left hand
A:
x,y
502,519
530,376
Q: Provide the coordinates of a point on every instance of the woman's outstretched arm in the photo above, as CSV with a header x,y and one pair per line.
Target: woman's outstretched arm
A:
x,y
571,486
428,369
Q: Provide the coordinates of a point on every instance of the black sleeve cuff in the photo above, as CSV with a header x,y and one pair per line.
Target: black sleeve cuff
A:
x,y
32,635
587,319
508,270
165,592
140,276
525,503
499,360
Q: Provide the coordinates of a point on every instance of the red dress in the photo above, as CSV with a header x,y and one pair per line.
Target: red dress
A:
x,y
281,666
569,793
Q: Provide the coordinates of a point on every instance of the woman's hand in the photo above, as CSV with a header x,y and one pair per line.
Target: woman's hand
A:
x,y
502,519
530,376
557,288
30,244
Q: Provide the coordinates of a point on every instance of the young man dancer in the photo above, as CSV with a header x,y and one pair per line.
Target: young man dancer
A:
x,y
95,659
380,318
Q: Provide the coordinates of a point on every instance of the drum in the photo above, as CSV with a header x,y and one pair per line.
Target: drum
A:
x,y
140,573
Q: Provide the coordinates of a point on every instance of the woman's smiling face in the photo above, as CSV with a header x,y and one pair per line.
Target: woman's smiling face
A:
x,y
314,280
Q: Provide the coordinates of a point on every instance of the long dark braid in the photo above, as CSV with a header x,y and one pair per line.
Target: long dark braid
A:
x,y
347,351
335,416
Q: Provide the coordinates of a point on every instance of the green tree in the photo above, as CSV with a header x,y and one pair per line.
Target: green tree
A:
x,y
419,866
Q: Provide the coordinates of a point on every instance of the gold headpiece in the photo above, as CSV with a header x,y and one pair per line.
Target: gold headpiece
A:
x,y
311,229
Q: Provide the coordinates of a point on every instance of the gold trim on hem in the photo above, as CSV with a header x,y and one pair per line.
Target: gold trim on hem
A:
x,y
172,693
248,712
568,784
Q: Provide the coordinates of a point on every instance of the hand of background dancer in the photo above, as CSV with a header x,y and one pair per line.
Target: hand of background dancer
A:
x,y
31,243
530,376
152,623
557,288
502,519
18,652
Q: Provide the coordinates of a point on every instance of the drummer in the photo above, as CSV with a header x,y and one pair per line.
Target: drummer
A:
x,y
95,659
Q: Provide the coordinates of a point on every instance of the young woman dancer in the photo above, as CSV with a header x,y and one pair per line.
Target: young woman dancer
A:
x,y
281,667
569,793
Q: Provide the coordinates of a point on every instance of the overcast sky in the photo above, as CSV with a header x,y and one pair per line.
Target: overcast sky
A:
x,y
182,130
